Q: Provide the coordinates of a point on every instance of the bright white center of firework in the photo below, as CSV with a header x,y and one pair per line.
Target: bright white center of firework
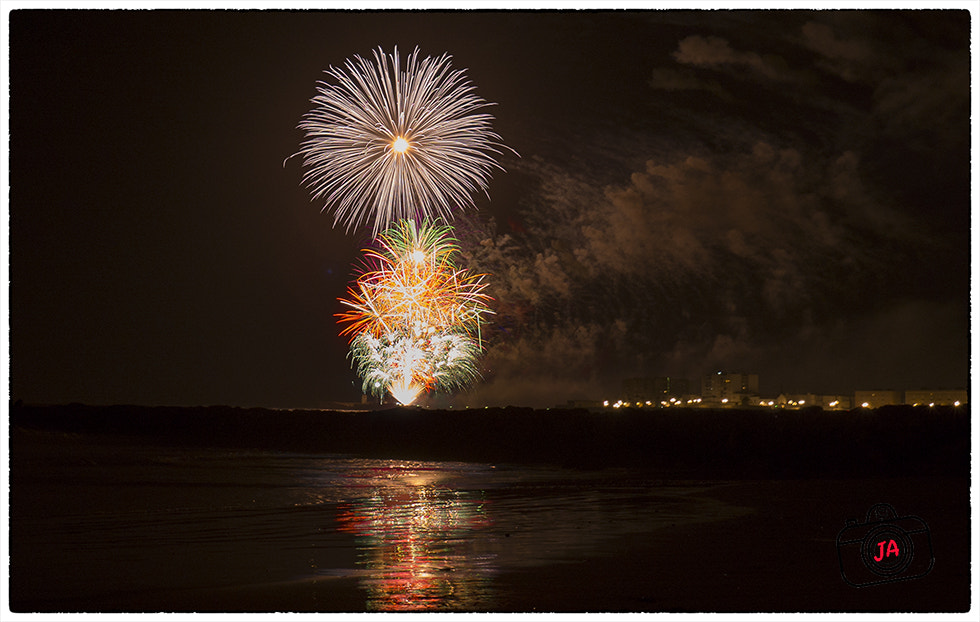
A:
x,y
405,392
418,256
400,145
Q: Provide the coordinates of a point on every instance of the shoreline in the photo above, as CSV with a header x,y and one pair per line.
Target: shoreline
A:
x,y
788,480
692,443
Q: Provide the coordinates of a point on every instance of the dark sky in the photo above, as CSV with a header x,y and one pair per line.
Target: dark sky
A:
x,y
783,193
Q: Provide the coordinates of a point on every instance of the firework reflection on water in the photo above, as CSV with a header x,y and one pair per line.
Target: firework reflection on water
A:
x,y
422,548
107,525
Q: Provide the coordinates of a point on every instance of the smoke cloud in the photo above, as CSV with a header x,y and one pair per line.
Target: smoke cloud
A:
x,y
769,253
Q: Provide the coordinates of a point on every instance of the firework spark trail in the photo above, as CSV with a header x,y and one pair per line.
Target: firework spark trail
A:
x,y
406,364
414,275
413,315
384,143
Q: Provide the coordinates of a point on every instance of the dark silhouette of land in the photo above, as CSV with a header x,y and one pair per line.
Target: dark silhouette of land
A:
x,y
891,441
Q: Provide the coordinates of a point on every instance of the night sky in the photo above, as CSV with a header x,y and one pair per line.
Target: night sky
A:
x,y
781,193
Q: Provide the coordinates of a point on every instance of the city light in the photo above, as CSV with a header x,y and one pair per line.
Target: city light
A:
x,y
752,399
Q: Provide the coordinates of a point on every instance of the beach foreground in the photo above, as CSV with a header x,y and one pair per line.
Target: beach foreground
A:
x,y
105,516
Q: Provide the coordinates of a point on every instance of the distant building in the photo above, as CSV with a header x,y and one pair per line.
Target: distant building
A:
x,y
728,388
938,397
804,400
671,386
796,400
875,399
655,390
834,402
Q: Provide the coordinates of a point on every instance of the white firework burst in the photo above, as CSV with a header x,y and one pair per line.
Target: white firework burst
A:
x,y
385,142
406,363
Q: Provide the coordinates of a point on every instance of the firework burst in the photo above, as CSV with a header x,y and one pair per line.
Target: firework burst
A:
x,y
385,143
414,317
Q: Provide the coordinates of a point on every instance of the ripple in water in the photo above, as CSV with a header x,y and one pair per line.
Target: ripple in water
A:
x,y
103,521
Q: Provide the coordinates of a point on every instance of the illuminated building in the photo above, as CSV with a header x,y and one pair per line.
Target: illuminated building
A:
x,y
874,399
805,400
655,390
834,402
730,388
936,397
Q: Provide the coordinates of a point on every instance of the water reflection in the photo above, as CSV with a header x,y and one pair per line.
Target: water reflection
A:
x,y
106,525
426,546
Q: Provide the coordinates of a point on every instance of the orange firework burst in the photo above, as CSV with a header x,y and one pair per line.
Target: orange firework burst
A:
x,y
415,318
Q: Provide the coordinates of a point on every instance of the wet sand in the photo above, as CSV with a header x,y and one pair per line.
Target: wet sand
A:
x,y
326,536
780,557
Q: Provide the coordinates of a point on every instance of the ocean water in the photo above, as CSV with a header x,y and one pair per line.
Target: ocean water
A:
x,y
98,524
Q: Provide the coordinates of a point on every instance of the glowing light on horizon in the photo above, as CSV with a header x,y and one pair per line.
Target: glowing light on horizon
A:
x,y
386,141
